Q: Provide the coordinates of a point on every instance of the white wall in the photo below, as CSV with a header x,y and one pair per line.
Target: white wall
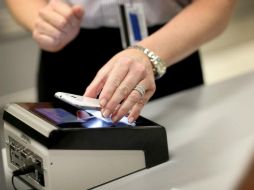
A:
x,y
18,55
18,65
231,54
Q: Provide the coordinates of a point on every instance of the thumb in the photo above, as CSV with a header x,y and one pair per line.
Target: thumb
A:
x,y
78,11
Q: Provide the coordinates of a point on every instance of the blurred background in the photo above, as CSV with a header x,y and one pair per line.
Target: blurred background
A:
x,y
230,55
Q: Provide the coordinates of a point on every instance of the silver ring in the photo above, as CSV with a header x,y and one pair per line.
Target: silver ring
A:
x,y
141,89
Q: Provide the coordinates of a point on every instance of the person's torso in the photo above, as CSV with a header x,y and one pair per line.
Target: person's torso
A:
x,y
105,12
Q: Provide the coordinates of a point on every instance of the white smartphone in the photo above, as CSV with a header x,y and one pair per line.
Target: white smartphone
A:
x,y
79,101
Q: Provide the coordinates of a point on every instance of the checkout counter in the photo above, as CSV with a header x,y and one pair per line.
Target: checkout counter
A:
x,y
210,134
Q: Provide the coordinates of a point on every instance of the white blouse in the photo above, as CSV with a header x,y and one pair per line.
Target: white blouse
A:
x,y
105,12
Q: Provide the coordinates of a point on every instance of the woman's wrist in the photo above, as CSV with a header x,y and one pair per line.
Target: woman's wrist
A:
x,y
158,65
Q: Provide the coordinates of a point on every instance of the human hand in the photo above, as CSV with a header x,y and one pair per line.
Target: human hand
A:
x,y
116,81
57,24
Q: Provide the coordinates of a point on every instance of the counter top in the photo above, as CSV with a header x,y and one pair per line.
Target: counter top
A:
x,y
210,132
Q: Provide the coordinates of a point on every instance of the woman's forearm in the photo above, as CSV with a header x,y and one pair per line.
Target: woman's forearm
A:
x,y
25,12
198,23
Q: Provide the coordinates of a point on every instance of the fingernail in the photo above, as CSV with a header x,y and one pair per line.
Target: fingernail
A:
x,y
131,119
115,118
106,113
103,102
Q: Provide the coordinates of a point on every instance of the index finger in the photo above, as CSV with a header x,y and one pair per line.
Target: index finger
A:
x,y
96,85
114,80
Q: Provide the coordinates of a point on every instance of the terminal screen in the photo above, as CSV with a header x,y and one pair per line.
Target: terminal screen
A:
x,y
66,116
